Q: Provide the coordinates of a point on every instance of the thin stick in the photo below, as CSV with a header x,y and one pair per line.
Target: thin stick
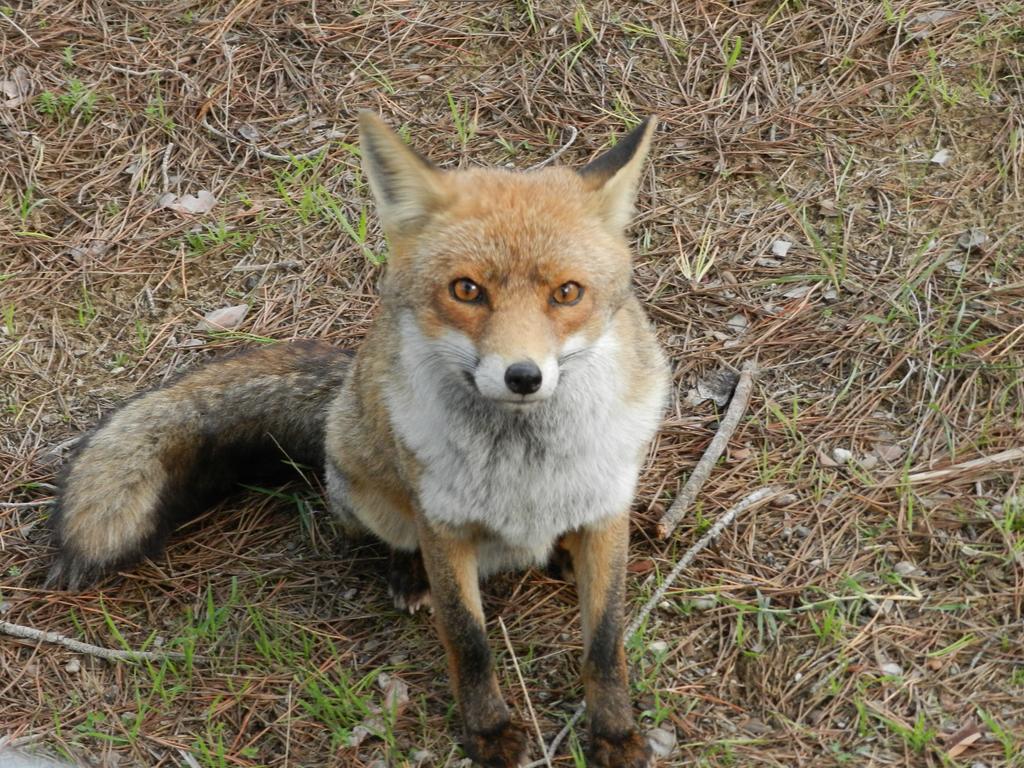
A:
x,y
713,533
272,155
529,705
266,267
573,133
30,633
1012,454
25,504
14,24
738,406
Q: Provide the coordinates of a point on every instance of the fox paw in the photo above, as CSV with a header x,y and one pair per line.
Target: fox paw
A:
x,y
631,750
407,581
502,747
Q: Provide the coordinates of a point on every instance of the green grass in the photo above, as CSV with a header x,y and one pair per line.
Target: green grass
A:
x,y
77,100
462,120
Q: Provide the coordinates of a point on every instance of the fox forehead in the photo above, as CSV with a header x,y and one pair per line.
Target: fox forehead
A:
x,y
507,227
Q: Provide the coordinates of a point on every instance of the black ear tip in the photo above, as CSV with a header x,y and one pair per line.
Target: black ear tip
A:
x,y
608,164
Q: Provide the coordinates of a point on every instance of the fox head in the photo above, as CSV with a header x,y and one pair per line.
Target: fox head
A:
x,y
505,276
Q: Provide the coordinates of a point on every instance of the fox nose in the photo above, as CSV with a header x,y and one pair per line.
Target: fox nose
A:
x,y
523,378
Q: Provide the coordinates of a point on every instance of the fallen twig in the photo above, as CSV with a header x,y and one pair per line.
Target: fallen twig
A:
x,y
1013,454
526,694
738,406
573,133
273,155
751,500
31,633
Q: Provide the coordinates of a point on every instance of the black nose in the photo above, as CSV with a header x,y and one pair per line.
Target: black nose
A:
x,y
523,378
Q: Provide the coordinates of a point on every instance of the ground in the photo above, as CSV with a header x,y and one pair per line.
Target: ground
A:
x,y
871,615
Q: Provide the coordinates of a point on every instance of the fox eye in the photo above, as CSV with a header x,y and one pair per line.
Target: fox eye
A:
x,y
567,294
466,290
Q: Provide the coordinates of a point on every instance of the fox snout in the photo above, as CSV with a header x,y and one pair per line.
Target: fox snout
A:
x,y
517,381
523,378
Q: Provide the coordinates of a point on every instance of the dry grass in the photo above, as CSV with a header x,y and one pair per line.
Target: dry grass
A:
x,y
863,622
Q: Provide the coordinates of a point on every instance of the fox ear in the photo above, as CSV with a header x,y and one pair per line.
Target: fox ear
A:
x,y
406,186
613,176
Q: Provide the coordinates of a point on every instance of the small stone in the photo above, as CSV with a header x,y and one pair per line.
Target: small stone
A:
x,y
4,607
729,278
830,294
888,453
780,248
705,603
717,386
941,157
425,79
784,500
421,756
801,531
829,208
798,292
658,647
737,323
972,240
892,668
74,666
869,462
841,455
248,132
662,742
909,570
955,266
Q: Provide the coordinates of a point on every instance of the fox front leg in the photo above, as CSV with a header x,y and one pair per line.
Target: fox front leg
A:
x,y
491,738
599,561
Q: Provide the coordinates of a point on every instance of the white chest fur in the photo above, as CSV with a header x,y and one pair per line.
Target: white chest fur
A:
x,y
525,477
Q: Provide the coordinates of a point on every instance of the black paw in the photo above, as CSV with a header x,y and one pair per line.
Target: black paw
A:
x,y
630,750
407,581
502,747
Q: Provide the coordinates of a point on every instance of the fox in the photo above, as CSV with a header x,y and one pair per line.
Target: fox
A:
x,y
496,416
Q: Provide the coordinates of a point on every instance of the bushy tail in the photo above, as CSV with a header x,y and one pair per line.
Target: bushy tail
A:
x,y
169,453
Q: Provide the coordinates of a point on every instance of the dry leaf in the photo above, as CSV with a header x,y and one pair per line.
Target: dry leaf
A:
x,y
737,323
223,319
248,132
396,695
201,202
825,460
641,566
972,240
959,742
17,86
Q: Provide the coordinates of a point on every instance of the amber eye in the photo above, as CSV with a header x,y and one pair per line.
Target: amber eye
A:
x,y
567,294
466,290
